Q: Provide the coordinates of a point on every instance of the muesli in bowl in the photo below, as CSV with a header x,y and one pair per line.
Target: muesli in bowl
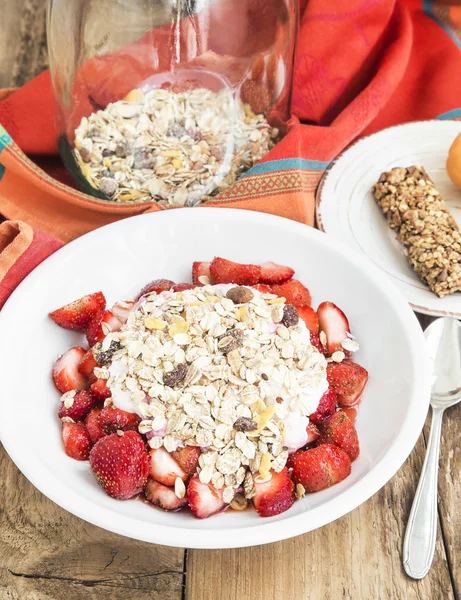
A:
x,y
226,392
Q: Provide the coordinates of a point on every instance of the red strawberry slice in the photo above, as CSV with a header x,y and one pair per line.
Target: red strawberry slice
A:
x,y
339,430
326,407
187,458
163,496
200,271
309,316
114,419
121,464
100,326
264,289
164,469
274,496
333,322
121,310
274,273
348,380
351,413
158,286
93,425
319,468
204,499
77,315
182,287
315,341
66,376
312,433
78,406
100,390
294,293
77,442
87,364
226,271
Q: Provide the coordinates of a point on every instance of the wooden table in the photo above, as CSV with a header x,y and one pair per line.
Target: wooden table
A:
x,y
48,554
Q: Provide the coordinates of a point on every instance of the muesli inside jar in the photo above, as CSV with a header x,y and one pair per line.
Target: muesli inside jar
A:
x,y
177,148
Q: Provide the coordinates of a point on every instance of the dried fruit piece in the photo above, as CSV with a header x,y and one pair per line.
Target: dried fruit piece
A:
x,y
245,424
176,376
290,316
240,294
229,341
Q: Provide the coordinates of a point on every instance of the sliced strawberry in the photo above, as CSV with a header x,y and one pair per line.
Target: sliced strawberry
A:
x,y
113,419
100,326
326,407
87,364
315,341
320,468
274,496
201,273
333,322
121,464
121,310
78,406
309,316
66,376
273,273
164,469
226,271
158,286
99,389
182,287
351,413
294,293
77,442
204,499
339,430
187,458
93,425
77,315
312,432
264,289
348,380
163,496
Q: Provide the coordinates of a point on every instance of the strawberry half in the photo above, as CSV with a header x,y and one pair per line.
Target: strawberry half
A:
x,y
77,442
158,286
121,310
78,406
273,273
121,464
294,293
164,469
204,499
93,425
326,407
100,326
163,496
333,322
310,318
319,468
87,364
78,314
65,372
200,271
312,432
187,458
274,496
348,380
182,287
226,271
339,430
113,419
99,389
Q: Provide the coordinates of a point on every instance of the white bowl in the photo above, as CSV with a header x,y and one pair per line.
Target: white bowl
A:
x,y
119,259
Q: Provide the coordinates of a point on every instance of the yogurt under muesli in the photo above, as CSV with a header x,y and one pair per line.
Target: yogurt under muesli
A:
x,y
222,367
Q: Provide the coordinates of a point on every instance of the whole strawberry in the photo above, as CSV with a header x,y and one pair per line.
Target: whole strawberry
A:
x,y
121,464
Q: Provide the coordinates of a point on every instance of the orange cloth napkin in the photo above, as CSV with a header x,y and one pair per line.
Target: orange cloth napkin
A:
x,y
360,66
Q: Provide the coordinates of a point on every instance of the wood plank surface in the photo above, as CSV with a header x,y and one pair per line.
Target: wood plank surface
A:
x,y
48,554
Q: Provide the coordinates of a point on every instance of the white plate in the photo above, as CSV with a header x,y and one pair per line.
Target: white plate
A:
x,y
119,259
347,210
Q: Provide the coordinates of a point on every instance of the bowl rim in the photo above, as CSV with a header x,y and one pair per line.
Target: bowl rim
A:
x,y
268,531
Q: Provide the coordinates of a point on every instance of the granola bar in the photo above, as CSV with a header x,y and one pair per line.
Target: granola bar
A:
x,y
430,236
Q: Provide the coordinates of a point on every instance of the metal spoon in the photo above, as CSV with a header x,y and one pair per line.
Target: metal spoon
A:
x,y
443,337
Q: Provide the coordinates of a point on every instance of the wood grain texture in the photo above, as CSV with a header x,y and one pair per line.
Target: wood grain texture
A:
x,y
48,554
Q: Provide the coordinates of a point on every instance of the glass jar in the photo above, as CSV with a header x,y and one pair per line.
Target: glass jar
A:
x,y
169,100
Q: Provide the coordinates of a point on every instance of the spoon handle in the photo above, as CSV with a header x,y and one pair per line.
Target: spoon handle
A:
x,y
421,532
